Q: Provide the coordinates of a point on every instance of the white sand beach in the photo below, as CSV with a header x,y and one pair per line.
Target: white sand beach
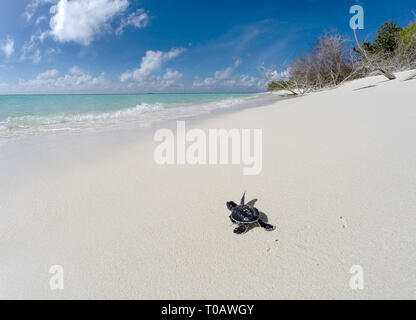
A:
x,y
338,181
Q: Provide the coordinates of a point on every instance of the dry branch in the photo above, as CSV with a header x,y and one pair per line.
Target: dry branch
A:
x,y
371,61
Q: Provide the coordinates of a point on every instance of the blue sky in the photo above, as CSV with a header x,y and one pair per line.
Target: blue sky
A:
x,y
103,46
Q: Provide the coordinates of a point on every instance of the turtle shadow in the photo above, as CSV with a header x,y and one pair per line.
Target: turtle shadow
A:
x,y
263,217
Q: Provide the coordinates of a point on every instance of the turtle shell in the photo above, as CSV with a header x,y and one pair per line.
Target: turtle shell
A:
x,y
245,214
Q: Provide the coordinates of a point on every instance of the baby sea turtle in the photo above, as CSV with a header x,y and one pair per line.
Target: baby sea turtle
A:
x,y
245,215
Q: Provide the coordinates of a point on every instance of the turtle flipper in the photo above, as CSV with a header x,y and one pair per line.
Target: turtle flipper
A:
x,y
265,225
241,229
252,203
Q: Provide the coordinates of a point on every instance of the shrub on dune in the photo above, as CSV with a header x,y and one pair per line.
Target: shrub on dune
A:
x,y
332,61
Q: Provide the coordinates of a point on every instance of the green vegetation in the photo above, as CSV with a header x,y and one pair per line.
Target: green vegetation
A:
x,y
408,34
385,40
278,85
331,61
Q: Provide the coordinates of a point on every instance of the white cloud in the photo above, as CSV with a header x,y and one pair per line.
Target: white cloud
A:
x,y
219,76
76,71
40,19
30,50
33,6
242,81
226,80
274,75
75,80
36,57
212,81
81,20
173,53
247,81
152,61
223,74
207,82
170,78
8,47
47,74
138,19
237,63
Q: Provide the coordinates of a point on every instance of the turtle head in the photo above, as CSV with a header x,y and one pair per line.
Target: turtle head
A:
x,y
231,205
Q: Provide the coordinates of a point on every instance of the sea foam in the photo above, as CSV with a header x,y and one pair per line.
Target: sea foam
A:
x,y
142,114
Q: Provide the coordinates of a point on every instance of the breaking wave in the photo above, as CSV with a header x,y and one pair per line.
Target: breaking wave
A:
x,y
141,115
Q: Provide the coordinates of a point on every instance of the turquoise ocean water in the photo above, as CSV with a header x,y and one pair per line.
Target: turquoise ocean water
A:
x,y
47,114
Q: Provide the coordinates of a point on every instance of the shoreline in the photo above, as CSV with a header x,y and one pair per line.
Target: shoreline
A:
x,y
114,137
144,114
337,181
